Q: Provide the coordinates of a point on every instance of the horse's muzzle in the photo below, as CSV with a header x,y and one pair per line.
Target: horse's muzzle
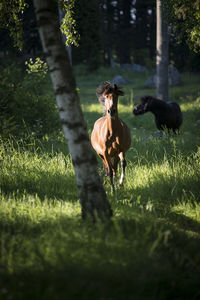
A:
x,y
135,111
112,112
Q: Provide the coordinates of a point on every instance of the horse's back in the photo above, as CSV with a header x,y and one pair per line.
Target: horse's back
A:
x,y
171,117
177,113
174,106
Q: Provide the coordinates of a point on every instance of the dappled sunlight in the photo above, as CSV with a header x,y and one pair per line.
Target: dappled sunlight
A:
x,y
38,174
96,108
188,206
34,210
160,186
190,105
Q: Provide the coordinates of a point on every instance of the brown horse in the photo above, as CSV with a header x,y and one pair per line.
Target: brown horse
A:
x,y
110,136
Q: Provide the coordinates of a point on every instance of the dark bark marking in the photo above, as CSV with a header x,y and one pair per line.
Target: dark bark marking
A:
x,y
59,58
62,90
48,53
71,125
54,69
61,109
43,21
80,161
82,137
46,10
51,42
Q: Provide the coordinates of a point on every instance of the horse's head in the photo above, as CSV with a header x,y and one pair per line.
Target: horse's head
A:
x,y
144,106
108,97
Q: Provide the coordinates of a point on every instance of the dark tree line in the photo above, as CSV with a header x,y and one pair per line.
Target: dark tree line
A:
x,y
111,32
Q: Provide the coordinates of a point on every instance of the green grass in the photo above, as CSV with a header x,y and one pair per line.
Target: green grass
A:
x,y
150,249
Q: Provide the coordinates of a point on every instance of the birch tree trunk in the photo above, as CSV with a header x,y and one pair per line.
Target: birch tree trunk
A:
x,y
162,51
91,192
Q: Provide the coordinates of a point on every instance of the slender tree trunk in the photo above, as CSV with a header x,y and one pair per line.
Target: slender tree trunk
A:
x,y
92,195
162,54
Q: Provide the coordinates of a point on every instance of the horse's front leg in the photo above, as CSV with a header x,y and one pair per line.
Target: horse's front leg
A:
x,y
108,162
115,165
123,166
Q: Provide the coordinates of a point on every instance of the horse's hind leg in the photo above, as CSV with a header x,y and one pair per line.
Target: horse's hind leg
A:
x,y
106,170
123,166
105,167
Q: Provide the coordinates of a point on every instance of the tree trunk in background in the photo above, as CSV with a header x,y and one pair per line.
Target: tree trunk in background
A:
x,y
92,195
162,47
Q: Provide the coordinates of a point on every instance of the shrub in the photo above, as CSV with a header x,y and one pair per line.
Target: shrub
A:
x,y
25,107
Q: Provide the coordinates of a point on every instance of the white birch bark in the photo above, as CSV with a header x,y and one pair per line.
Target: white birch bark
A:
x,y
162,52
92,195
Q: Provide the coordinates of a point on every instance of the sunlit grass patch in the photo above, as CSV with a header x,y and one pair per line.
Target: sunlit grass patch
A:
x,y
188,206
32,208
37,173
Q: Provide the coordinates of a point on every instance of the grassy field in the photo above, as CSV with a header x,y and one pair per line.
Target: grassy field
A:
x,y
150,249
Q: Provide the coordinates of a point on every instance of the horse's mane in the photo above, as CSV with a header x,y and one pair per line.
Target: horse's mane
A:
x,y
148,99
156,102
108,88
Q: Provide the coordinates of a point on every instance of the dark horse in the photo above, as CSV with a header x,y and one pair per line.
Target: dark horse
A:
x,y
168,115
110,136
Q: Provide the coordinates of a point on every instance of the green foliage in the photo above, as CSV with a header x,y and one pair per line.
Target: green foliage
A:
x,y
195,33
26,109
184,17
11,14
68,26
38,67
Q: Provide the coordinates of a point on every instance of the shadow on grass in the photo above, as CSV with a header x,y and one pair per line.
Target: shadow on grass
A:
x,y
124,260
82,268
75,281
42,183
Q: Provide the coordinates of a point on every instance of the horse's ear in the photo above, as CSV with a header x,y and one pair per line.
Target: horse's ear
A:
x,y
144,99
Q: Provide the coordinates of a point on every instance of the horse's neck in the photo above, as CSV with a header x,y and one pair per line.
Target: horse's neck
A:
x,y
112,125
